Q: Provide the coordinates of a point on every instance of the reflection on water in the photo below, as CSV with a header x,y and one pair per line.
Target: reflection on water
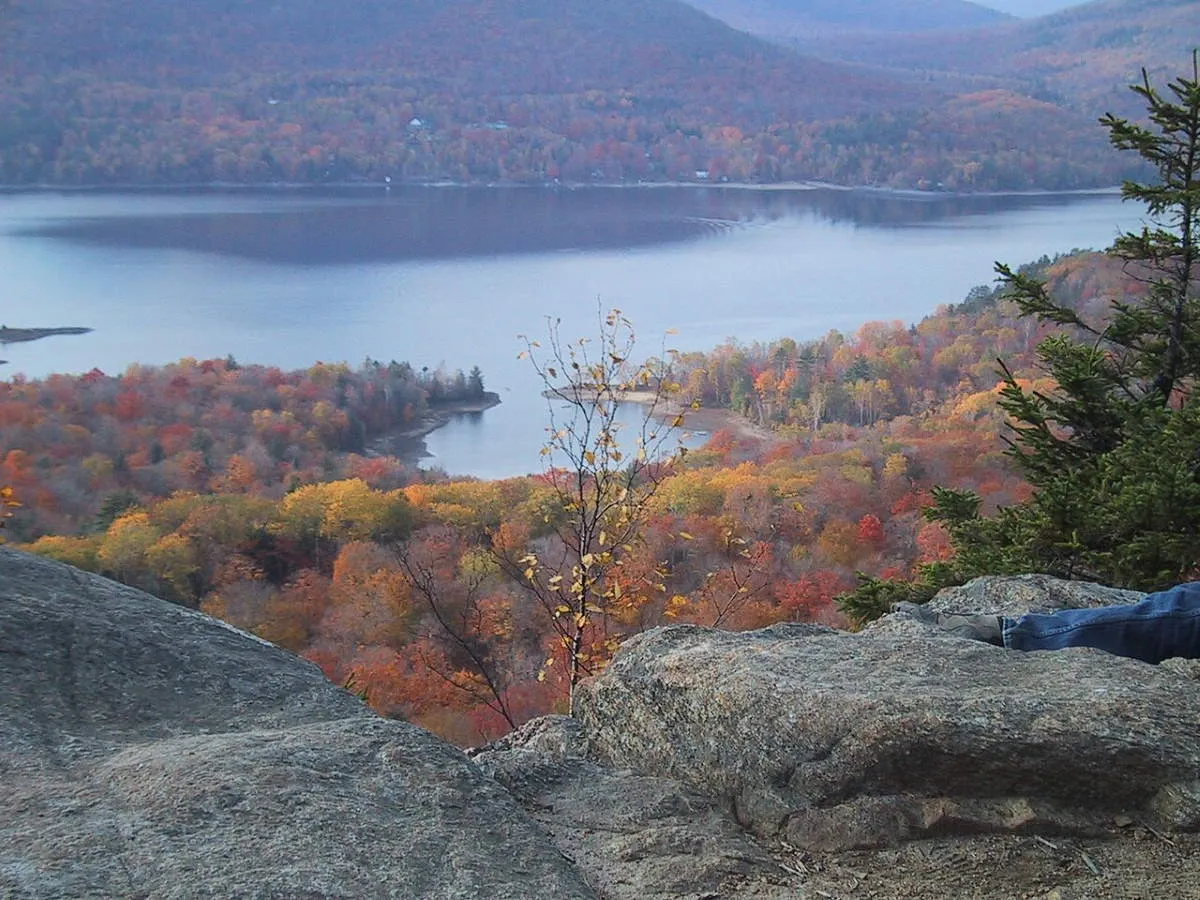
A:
x,y
340,227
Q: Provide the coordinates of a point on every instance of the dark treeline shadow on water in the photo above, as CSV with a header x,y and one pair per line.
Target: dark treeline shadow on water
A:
x,y
356,226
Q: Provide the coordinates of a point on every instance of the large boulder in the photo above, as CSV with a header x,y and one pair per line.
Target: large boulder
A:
x,y
833,740
149,751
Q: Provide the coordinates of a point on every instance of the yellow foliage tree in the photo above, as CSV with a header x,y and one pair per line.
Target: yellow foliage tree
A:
x,y
604,475
174,562
74,551
122,551
8,502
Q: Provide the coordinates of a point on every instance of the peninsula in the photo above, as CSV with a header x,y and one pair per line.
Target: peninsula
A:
x,y
408,444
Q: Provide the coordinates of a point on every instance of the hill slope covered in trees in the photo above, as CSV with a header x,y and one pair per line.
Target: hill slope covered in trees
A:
x,y
420,89
109,91
1080,58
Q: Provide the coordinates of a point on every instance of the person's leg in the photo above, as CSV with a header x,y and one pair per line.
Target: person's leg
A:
x,y
1158,627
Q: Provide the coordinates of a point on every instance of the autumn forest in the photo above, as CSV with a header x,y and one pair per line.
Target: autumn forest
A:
x,y
262,497
568,92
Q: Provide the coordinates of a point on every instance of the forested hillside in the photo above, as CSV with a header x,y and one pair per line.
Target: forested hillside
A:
x,y
248,492
1040,80
1080,58
417,90
111,91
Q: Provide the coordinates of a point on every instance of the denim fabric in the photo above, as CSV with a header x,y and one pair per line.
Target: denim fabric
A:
x,y
1158,627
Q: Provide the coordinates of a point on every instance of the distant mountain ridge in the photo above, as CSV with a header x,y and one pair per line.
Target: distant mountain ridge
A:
x,y
1030,9
562,44
798,19
1082,57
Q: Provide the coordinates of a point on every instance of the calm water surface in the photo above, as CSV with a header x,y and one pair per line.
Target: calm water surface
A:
x,y
450,276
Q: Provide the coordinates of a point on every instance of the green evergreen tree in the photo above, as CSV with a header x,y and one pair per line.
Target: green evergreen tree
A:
x,y
475,383
1113,453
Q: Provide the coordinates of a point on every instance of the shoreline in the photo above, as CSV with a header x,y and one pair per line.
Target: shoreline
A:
x,y
778,186
408,444
705,419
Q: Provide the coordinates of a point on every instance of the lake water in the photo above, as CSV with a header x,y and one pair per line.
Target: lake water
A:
x,y
450,276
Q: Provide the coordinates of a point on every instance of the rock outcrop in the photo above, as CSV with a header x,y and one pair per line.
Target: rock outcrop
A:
x,y
1019,594
149,751
834,740
635,836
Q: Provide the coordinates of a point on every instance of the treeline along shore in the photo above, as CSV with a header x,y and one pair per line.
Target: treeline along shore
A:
x,y
408,443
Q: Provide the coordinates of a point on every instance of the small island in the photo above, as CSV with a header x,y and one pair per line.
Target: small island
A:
x,y
21,335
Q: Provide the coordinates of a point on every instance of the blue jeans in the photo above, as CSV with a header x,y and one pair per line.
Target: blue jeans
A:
x,y
1158,627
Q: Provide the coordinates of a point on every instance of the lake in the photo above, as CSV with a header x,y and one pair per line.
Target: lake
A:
x,y
449,276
